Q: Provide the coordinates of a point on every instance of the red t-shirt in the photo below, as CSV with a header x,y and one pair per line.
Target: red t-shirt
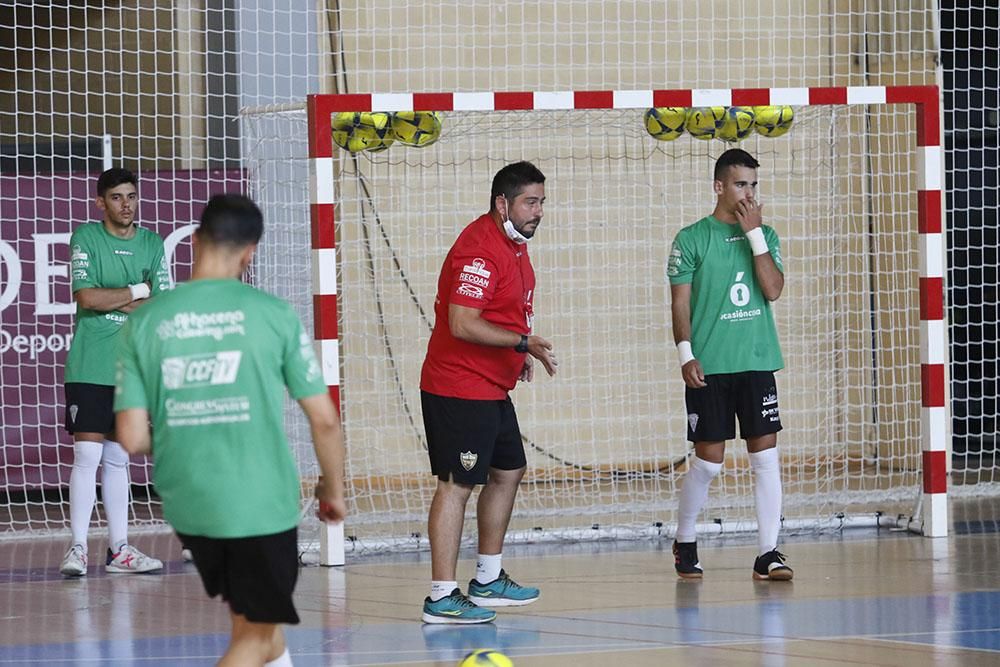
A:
x,y
487,271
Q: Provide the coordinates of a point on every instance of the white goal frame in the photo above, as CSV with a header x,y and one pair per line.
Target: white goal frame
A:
x,y
932,518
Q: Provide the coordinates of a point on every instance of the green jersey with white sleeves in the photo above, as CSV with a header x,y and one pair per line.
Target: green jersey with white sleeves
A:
x,y
100,259
210,361
732,326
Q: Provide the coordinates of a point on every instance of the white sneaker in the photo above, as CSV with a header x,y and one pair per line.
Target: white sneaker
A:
x,y
186,555
130,559
74,563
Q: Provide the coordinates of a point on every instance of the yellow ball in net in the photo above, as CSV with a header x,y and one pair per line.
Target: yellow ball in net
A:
x,y
704,122
773,121
737,126
485,657
363,131
417,128
665,123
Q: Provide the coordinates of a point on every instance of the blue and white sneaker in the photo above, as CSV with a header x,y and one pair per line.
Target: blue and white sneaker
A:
x,y
457,609
502,592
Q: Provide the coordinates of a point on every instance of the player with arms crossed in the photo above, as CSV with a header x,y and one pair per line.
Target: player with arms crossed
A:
x,y
724,271
116,267
207,364
480,347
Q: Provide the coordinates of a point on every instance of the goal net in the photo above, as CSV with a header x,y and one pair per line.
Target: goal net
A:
x,y
846,189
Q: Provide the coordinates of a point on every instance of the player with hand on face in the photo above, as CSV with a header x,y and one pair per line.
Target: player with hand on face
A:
x,y
724,272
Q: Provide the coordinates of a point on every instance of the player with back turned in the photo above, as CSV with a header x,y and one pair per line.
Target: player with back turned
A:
x,y
207,364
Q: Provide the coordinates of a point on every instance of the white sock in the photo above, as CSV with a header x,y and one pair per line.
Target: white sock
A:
x,y
442,589
767,490
83,488
114,492
694,493
283,660
488,567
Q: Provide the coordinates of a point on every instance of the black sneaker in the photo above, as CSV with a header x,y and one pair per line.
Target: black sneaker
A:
x,y
686,560
771,566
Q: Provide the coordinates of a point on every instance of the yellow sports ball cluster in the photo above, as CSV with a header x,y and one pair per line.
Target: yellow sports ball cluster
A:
x,y
375,131
730,124
485,657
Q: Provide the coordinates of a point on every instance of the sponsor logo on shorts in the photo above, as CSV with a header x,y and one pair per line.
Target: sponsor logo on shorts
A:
x,y
770,414
770,399
468,460
477,267
73,410
465,289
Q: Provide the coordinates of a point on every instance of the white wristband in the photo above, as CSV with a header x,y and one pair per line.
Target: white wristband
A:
x,y
684,352
139,291
758,245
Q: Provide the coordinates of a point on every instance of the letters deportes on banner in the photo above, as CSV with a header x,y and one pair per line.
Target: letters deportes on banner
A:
x,y
37,216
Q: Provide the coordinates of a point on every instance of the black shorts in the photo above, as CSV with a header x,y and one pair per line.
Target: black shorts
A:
x,y
255,575
465,438
90,408
751,396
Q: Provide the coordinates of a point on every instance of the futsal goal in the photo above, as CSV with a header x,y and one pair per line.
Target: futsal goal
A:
x,y
356,241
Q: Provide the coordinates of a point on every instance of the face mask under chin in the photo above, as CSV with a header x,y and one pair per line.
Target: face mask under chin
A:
x,y
513,234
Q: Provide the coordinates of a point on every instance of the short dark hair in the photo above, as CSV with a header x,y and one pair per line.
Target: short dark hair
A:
x,y
734,157
512,179
231,220
112,178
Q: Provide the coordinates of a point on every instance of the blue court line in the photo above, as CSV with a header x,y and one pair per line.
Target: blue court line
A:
x,y
968,620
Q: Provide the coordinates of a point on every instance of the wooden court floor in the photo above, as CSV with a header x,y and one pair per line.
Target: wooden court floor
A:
x,y
863,597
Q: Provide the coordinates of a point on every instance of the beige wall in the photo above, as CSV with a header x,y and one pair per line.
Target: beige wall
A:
x,y
574,44
84,73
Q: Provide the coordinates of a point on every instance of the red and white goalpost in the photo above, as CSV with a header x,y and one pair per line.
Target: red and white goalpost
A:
x,y
853,190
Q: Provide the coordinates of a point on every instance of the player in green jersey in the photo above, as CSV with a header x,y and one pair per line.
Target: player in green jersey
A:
x,y
116,267
207,365
724,272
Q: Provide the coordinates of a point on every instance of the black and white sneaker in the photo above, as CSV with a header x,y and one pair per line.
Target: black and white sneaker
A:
x,y
686,560
771,567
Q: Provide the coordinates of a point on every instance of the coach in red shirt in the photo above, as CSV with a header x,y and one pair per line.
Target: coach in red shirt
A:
x,y
480,347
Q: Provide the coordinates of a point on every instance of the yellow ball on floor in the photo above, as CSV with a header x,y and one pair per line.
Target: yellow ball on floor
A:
x,y
486,658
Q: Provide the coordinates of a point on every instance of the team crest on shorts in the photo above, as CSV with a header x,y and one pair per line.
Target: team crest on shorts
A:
x,y
693,421
468,459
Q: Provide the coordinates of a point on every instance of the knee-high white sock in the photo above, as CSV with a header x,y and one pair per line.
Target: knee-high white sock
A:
x,y
83,488
283,660
694,493
114,492
767,490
